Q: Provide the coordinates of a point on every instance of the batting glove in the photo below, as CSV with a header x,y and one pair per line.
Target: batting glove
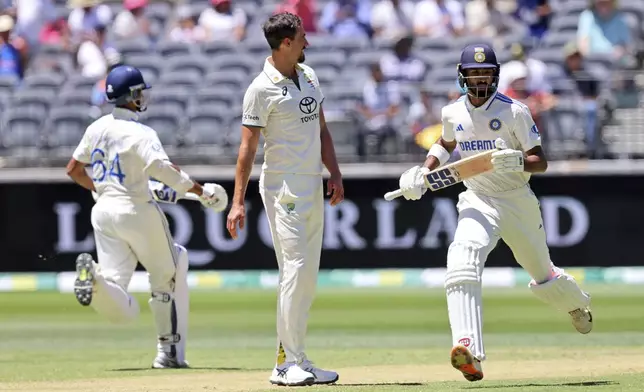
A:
x,y
507,160
413,183
214,196
162,193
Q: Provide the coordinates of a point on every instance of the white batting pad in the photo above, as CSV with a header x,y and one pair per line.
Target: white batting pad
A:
x,y
170,310
113,302
464,305
562,292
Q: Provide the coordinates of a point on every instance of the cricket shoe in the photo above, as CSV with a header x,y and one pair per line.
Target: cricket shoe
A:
x,y
466,363
84,283
163,361
291,375
321,376
582,320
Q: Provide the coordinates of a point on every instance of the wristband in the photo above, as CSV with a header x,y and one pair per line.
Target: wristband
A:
x,y
440,153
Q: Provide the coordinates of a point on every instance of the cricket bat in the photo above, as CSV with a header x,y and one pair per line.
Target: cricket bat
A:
x,y
454,173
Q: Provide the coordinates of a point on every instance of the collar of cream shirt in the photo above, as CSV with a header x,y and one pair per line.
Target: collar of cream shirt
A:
x,y
485,106
124,114
273,74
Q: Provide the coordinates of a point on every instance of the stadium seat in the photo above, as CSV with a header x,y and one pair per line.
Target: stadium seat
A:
x,y
229,78
215,48
166,122
206,128
564,23
184,78
136,46
45,80
216,95
365,58
331,59
34,100
168,49
177,97
22,128
150,64
7,85
66,126
238,60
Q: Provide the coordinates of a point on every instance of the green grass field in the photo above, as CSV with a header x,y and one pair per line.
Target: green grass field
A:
x,y
379,340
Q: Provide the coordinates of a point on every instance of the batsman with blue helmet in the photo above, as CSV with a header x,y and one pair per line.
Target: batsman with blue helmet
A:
x,y
129,227
496,205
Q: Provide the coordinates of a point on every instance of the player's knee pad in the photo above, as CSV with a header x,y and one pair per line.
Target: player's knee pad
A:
x,y
464,263
170,309
562,292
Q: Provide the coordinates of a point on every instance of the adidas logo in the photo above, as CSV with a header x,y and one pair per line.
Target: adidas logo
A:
x,y
459,128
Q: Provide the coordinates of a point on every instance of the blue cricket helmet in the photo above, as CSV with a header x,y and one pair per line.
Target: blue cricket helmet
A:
x,y
125,84
478,56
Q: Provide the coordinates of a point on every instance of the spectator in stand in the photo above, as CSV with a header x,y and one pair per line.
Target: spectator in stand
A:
x,y
86,16
390,18
588,88
31,16
603,29
56,33
11,61
305,9
536,100
423,113
91,54
379,108
401,64
98,98
223,22
131,22
536,14
439,19
537,70
347,18
186,30
489,19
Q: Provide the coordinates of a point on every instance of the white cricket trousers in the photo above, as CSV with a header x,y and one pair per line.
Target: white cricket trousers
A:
x,y
128,233
294,206
515,217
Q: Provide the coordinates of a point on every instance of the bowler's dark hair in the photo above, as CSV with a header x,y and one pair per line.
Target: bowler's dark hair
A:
x,y
280,26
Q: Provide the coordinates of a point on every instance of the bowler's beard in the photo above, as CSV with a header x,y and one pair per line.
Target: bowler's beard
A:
x,y
301,58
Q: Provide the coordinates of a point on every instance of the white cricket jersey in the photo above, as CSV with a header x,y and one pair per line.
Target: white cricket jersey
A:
x,y
120,149
289,118
476,128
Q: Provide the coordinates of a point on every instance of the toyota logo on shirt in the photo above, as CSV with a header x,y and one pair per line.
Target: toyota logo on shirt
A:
x,y
308,105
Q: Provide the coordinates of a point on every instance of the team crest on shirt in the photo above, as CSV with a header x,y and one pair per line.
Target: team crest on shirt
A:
x,y
309,80
535,130
495,124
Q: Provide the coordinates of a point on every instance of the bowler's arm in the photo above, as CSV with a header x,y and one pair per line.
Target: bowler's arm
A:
x,y
245,158
329,159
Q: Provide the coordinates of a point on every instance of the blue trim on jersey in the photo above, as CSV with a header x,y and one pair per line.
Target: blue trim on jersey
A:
x,y
500,97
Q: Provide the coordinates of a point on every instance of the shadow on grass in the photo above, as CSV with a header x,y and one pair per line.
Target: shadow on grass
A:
x,y
553,385
384,384
222,369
